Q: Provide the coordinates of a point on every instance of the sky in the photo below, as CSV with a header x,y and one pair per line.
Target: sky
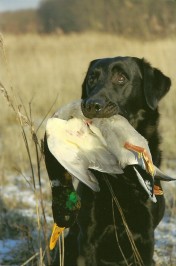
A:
x,y
9,5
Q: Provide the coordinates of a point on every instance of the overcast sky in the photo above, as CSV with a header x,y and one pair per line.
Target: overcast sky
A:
x,y
18,4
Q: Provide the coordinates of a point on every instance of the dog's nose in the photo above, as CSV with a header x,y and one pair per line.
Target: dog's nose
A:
x,y
92,107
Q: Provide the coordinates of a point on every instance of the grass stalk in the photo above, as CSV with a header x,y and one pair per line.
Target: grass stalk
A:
x,y
129,234
25,120
30,259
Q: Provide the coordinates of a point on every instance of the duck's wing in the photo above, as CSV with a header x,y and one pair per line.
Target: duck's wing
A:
x,y
86,177
101,158
122,140
161,176
103,161
69,154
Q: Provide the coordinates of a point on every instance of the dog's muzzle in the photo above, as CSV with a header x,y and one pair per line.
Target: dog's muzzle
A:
x,y
99,107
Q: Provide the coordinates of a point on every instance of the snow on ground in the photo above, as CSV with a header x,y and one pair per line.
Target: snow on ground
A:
x,y
165,233
23,196
20,235
165,242
6,247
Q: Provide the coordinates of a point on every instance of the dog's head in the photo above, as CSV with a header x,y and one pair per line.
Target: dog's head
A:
x,y
122,85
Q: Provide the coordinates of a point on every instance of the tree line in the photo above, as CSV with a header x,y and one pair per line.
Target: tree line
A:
x,y
132,18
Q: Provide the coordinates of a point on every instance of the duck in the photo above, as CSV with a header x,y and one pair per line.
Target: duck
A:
x,y
107,145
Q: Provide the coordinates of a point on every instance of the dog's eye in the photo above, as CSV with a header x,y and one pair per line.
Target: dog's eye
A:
x,y
118,78
121,78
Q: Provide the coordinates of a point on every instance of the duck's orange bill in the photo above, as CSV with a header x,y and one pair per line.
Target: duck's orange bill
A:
x,y
142,152
158,191
55,235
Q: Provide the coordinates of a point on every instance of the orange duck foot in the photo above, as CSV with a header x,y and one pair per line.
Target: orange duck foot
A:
x,y
142,153
158,191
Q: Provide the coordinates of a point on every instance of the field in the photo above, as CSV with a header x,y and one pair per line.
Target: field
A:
x,y
39,71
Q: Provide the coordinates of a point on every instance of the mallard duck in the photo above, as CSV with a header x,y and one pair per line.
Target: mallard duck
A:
x,y
103,144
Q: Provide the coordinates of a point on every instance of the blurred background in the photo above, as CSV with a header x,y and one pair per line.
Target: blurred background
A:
x,y
45,49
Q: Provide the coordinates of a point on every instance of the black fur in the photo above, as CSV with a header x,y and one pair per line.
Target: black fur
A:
x,y
131,87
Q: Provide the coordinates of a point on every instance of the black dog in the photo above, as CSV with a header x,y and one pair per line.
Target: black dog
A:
x,y
131,87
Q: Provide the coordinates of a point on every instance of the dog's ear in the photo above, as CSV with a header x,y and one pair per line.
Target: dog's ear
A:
x,y
84,90
156,85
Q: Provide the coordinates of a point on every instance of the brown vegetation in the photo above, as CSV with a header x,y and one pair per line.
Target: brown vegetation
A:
x,y
20,22
145,19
